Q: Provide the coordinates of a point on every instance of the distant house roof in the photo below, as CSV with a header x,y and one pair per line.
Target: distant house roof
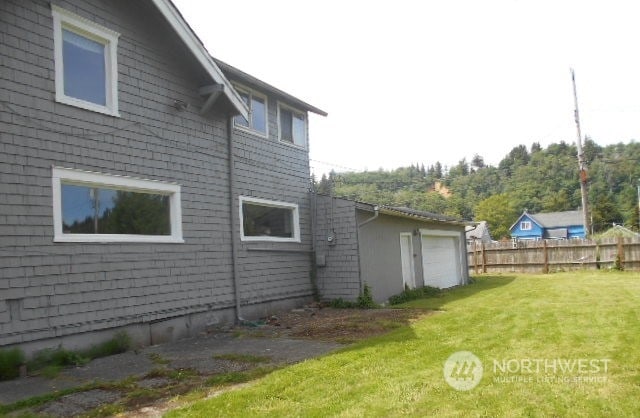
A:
x,y
619,231
557,233
557,219
551,220
480,232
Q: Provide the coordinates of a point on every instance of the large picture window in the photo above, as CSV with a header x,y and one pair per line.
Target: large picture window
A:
x,y
292,126
86,69
265,220
257,105
98,207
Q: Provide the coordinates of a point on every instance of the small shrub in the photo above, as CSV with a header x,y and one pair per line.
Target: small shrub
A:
x,y
365,300
413,294
617,265
10,361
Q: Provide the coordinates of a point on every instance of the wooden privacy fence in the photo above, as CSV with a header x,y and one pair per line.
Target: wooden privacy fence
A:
x,y
547,256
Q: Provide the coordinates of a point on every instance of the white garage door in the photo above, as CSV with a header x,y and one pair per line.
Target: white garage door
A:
x,y
440,261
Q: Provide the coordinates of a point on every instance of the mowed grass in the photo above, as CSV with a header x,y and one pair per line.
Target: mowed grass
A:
x,y
570,316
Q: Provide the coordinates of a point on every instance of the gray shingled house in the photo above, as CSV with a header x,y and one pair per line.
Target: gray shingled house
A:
x,y
478,233
387,248
144,186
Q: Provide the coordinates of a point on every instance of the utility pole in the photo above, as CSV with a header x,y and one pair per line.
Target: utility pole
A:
x,y
581,162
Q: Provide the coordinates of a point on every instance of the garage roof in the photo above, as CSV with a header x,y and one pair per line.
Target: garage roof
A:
x,y
409,213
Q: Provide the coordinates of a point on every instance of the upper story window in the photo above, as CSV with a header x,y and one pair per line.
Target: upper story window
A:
x,y
94,207
266,220
86,68
292,126
257,104
525,226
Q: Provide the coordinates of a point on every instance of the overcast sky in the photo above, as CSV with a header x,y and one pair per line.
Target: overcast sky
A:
x,y
425,81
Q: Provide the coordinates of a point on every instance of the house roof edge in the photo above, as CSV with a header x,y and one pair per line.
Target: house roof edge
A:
x,y
248,78
195,45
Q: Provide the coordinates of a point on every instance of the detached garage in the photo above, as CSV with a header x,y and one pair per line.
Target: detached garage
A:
x,y
387,248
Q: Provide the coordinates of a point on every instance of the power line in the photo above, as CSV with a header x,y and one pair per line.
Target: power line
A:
x,y
333,165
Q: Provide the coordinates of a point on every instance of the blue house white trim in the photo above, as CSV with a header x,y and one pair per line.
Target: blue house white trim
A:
x,y
552,225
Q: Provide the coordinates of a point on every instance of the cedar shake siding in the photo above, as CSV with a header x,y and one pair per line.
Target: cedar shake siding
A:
x,y
51,290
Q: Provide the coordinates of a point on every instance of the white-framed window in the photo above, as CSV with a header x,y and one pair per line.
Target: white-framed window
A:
x,y
257,104
96,207
266,220
86,68
292,126
525,226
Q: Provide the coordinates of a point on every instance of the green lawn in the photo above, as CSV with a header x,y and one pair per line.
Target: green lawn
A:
x,y
511,319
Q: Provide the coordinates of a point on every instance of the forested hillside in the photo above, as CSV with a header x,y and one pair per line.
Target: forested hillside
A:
x,y
536,179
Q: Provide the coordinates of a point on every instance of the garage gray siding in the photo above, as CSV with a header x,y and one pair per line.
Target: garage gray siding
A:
x,y
338,272
380,260
52,289
380,254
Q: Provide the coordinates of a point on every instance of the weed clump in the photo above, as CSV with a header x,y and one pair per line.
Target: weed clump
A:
x,y
50,361
413,294
10,362
364,301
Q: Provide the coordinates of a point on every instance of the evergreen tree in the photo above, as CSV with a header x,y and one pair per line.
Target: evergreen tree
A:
x,y
438,173
477,161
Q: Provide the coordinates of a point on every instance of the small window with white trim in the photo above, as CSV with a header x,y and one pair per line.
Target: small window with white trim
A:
x,y
257,104
525,226
266,220
86,69
292,126
95,207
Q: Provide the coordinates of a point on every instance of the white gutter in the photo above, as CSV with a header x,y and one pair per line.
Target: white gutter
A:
x,y
371,219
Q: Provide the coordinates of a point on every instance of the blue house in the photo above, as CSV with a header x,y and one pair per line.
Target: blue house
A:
x,y
552,225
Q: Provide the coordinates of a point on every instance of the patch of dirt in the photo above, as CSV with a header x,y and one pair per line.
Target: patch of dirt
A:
x,y
182,368
329,324
313,322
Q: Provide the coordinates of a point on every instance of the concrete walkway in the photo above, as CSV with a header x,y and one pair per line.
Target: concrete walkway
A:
x,y
195,354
